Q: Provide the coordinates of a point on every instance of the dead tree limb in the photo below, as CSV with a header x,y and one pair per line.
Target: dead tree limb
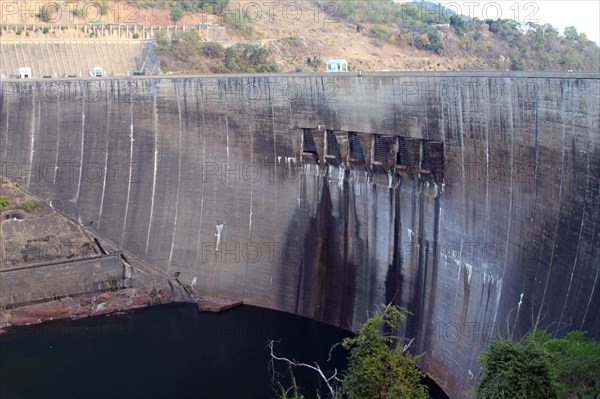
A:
x,y
407,346
291,362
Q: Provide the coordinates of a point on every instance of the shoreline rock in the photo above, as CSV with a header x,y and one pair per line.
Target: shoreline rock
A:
x,y
106,303
78,308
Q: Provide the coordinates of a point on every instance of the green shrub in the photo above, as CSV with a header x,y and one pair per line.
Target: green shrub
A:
x,y
103,7
382,32
80,12
577,360
216,7
162,41
29,205
114,282
516,65
458,24
239,24
517,370
213,50
19,31
186,49
248,58
3,202
294,41
47,14
136,35
315,62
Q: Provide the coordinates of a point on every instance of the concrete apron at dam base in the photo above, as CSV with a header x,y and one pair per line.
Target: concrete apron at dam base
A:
x,y
75,307
110,281
472,199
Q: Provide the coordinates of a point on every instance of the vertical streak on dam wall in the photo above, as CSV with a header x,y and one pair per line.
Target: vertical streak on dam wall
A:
x,y
209,177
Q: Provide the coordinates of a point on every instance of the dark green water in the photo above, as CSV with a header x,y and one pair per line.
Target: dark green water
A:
x,y
170,351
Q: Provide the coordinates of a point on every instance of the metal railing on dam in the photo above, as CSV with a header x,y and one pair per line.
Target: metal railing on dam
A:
x,y
207,31
472,199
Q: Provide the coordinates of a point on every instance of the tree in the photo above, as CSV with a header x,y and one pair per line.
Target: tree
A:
x,y
517,370
176,14
577,360
540,367
458,24
213,50
379,366
571,33
435,41
516,64
162,41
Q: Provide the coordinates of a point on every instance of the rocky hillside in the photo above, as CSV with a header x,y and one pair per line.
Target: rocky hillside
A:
x,y
372,35
301,35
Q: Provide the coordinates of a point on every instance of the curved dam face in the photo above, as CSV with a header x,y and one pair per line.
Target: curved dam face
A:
x,y
473,200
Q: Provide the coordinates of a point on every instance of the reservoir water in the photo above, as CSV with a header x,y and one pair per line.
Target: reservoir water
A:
x,y
170,351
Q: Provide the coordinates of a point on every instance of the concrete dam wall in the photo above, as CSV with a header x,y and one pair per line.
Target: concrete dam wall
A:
x,y
472,199
60,58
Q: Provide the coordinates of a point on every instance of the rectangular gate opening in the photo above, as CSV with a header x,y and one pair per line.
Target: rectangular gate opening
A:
x,y
309,147
356,152
333,148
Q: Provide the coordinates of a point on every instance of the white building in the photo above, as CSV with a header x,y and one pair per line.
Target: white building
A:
x,y
337,66
24,73
97,72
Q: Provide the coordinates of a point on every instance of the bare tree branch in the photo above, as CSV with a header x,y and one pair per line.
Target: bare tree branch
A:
x,y
407,346
316,368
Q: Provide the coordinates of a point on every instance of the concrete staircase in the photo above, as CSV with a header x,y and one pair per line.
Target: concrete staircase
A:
x,y
64,58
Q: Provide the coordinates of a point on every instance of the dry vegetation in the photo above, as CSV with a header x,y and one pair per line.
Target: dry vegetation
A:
x,y
370,34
